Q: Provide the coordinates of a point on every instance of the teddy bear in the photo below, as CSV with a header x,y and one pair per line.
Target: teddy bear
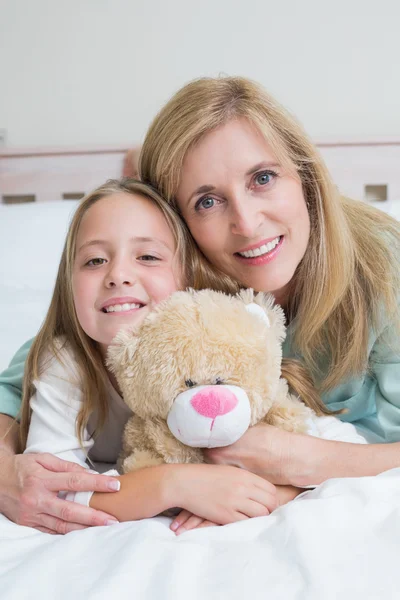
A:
x,y
200,370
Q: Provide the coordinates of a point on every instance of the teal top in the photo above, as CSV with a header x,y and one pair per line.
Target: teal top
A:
x,y
372,400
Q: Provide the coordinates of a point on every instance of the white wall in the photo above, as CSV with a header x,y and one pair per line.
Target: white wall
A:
x,y
96,71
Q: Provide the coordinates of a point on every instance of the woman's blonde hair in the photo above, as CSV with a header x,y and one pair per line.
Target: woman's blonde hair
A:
x,y
61,326
348,279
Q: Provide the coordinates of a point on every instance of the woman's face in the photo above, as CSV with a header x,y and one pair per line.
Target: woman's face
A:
x,y
247,214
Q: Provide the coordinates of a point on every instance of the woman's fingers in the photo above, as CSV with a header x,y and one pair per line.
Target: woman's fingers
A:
x,y
81,481
58,526
75,514
53,463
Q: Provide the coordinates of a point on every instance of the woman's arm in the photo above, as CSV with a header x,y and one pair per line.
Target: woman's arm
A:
x,y
30,483
302,460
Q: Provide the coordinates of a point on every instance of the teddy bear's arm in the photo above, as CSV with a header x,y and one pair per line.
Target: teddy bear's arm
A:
x,y
148,443
136,452
169,447
288,412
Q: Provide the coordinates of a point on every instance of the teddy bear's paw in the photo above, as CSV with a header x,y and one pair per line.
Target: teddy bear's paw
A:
x,y
290,418
140,459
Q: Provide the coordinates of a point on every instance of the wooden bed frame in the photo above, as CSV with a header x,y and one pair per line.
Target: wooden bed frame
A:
x,y
363,169
48,174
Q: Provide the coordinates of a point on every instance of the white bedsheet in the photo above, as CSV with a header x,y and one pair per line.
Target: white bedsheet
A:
x,y
340,541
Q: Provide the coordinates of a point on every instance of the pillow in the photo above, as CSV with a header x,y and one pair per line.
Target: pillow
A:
x,y
31,241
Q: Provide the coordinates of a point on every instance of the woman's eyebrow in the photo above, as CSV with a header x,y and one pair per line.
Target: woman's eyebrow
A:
x,y
203,189
262,165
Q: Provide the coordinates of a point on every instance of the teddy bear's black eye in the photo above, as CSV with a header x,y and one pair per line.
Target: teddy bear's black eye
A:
x,y
189,383
219,381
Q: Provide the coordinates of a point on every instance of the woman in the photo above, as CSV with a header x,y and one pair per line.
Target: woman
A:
x,y
262,208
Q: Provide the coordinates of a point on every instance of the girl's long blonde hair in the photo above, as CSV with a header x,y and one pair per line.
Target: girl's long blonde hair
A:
x,y
61,326
349,278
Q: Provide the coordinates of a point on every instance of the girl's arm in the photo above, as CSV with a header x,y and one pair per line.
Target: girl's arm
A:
x,y
220,494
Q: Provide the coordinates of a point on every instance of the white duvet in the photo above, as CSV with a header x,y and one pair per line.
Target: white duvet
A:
x,y
340,541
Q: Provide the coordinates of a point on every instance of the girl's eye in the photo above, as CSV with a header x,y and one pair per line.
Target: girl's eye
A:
x,y
205,203
264,177
148,258
95,262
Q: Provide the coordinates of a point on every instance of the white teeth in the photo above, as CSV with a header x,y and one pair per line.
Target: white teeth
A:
x,y
261,250
121,307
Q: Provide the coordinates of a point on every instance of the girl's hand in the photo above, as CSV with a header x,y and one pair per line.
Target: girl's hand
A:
x,y
267,451
186,521
221,494
29,484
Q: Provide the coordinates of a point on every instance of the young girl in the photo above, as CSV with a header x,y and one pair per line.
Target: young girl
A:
x,y
125,251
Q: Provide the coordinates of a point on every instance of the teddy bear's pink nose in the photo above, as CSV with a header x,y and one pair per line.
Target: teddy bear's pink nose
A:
x,y
214,401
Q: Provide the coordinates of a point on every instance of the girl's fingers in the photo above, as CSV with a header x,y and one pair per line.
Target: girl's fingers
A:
x,y
180,519
191,523
76,515
207,524
252,508
263,498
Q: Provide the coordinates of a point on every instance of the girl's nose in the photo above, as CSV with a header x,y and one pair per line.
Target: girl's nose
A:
x,y
214,401
119,276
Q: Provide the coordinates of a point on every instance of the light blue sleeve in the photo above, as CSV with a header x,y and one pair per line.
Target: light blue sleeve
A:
x,y
385,365
11,381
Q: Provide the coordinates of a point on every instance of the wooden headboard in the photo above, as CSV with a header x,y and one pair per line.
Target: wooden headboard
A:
x,y
364,169
48,174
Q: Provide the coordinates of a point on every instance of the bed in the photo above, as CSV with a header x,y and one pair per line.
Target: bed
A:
x,y
337,541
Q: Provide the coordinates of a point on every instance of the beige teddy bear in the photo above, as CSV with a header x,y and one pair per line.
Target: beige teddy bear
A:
x,y
200,370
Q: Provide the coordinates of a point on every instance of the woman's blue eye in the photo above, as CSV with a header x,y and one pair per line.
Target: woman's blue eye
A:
x,y
207,202
263,178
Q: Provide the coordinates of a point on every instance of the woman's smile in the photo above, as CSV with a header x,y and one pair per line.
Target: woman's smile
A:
x,y
261,253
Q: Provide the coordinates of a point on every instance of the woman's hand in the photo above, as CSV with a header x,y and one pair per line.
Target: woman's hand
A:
x,y
221,494
267,451
186,521
29,484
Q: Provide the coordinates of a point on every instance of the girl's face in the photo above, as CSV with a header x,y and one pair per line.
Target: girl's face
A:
x,y
125,264
246,213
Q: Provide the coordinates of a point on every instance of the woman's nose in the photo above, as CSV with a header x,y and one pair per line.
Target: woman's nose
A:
x,y
246,219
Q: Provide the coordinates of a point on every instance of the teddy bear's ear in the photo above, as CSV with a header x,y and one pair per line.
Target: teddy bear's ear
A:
x,y
121,351
273,312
